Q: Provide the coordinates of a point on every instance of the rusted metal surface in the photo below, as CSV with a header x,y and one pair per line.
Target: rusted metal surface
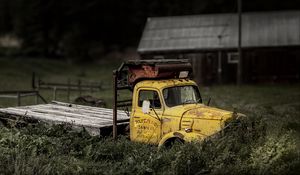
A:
x,y
144,72
157,71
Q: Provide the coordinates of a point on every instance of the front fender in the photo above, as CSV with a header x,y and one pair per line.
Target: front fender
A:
x,y
186,136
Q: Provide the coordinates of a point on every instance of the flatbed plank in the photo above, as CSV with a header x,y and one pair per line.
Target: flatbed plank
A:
x,y
92,118
98,114
87,107
54,118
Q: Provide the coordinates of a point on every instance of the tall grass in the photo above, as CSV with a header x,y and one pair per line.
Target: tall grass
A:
x,y
246,149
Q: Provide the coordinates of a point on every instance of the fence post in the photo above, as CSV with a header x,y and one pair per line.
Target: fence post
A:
x,y
36,97
38,91
100,85
54,93
33,80
79,87
18,99
39,83
91,87
115,100
68,90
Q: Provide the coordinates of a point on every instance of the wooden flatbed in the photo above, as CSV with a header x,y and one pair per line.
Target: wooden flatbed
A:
x,y
93,119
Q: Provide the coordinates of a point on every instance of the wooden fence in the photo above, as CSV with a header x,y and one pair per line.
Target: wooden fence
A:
x,y
68,86
38,84
18,95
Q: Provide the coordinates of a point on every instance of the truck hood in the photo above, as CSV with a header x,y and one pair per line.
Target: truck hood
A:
x,y
198,111
200,119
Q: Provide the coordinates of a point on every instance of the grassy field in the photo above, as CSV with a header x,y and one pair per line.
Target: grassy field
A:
x,y
15,74
268,141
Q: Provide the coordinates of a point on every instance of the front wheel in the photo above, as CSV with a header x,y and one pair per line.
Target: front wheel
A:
x,y
173,141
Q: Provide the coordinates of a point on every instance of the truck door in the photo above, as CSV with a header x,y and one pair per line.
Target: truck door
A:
x,y
146,127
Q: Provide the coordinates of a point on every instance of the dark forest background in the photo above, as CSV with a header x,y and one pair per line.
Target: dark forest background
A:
x,y
76,29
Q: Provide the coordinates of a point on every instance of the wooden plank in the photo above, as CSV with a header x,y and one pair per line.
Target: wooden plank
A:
x,y
27,94
68,88
91,118
15,92
70,114
122,114
83,112
73,106
8,96
100,112
24,113
94,109
54,118
56,115
91,130
87,107
95,86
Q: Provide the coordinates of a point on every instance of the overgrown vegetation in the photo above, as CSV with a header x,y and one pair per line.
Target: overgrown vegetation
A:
x,y
267,141
248,149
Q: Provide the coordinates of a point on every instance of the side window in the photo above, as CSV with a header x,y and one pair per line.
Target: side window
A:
x,y
152,96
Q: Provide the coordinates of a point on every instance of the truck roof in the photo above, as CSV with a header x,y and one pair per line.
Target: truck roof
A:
x,y
164,83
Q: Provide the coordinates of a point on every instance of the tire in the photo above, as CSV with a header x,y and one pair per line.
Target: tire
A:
x,y
173,141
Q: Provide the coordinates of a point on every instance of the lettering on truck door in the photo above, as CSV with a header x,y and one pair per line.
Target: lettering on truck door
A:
x,y
146,127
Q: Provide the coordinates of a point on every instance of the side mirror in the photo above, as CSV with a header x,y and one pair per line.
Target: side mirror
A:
x,y
146,106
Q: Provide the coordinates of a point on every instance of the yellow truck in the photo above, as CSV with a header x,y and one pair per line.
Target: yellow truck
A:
x,y
166,103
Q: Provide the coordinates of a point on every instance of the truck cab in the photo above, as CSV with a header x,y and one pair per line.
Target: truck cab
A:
x,y
170,109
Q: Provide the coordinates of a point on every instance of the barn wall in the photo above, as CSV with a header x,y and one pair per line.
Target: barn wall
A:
x,y
272,65
261,65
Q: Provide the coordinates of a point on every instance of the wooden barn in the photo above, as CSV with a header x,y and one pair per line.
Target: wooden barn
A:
x,y
270,45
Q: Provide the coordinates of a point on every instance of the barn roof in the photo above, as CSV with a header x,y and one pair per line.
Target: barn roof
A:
x,y
220,31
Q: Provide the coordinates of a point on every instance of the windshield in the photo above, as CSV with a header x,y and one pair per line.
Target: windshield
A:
x,y
180,95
